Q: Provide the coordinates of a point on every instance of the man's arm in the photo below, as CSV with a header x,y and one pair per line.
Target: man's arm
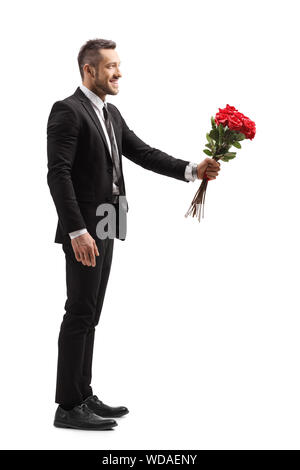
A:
x,y
62,134
148,157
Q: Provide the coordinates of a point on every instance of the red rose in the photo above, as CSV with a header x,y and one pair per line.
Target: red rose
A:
x,y
235,123
221,118
230,109
249,128
240,115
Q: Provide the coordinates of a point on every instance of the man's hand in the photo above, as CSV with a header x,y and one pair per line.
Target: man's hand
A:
x,y
85,249
210,166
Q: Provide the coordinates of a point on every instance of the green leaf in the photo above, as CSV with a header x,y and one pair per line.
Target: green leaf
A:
x,y
229,136
208,137
221,133
237,145
230,154
208,152
214,134
208,145
240,136
213,123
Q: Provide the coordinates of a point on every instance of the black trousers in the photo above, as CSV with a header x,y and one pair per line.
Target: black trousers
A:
x,y
86,286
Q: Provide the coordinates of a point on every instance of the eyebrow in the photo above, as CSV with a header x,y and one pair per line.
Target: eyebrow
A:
x,y
112,63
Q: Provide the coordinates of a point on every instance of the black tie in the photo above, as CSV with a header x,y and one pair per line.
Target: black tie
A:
x,y
117,175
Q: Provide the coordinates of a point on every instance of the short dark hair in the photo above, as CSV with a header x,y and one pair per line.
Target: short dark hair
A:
x,y
90,52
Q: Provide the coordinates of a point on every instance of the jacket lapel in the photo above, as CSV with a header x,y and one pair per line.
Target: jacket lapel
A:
x,y
90,110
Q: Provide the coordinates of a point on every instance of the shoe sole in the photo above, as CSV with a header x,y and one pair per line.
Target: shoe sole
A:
x,y
106,427
111,416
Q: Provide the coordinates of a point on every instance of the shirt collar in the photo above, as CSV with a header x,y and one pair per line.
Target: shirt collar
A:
x,y
95,99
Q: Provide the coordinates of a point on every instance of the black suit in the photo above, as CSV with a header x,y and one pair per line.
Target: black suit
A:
x,y
80,176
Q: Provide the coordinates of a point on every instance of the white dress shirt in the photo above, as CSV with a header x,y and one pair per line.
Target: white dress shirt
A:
x,y
97,103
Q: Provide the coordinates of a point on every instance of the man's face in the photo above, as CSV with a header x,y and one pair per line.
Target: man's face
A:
x,y
108,73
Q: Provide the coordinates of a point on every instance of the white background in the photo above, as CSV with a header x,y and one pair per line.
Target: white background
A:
x,y
199,332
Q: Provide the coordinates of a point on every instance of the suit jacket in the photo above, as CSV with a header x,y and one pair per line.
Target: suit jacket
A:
x,y
80,168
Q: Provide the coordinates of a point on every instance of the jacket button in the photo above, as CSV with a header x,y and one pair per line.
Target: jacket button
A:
x,y
109,170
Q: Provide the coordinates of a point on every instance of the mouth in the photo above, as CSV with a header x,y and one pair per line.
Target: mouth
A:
x,y
114,82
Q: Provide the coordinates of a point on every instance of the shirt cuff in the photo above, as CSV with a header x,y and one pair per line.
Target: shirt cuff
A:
x,y
76,233
190,173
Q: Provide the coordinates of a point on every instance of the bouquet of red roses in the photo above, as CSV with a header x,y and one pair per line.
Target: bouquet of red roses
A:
x,y
229,127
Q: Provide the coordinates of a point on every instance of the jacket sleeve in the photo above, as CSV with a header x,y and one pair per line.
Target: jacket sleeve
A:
x,y
148,157
62,136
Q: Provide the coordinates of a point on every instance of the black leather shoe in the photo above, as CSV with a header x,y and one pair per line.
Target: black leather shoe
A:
x,y
100,409
81,417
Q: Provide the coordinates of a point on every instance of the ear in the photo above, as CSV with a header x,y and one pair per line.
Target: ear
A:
x,y
91,71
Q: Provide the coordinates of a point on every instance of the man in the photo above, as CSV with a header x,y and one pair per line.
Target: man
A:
x,y
86,138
